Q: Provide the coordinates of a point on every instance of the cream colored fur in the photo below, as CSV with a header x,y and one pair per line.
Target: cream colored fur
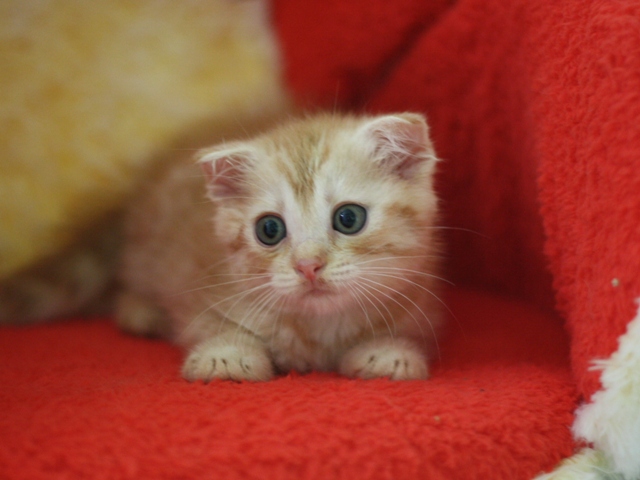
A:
x,y
245,309
90,91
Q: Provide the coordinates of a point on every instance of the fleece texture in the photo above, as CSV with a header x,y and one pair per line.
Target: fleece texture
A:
x,y
80,399
533,107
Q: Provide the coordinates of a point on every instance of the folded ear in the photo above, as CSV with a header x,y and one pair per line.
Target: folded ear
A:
x,y
225,168
400,143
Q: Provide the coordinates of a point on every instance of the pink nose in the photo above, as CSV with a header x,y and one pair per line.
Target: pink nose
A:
x,y
309,268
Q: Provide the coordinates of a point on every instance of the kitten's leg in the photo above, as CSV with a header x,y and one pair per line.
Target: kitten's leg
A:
x,y
139,316
229,356
398,359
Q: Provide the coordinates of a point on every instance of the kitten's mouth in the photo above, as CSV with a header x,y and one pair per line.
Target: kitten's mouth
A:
x,y
317,291
321,299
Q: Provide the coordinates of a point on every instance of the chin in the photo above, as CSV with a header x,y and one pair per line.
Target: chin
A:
x,y
322,303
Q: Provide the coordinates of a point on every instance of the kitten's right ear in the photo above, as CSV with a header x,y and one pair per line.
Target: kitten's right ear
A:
x,y
225,168
400,143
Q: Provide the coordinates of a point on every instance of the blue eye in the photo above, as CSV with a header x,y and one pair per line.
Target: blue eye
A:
x,y
349,219
270,230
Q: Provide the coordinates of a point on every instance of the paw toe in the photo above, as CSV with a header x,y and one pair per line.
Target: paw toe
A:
x,y
397,361
227,362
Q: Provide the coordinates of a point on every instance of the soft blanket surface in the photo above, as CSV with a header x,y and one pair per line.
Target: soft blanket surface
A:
x,y
79,399
533,107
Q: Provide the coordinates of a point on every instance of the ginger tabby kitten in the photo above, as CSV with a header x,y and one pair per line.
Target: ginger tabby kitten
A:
x,y
309,247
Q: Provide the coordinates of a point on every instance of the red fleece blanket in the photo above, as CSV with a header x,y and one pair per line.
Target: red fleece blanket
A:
x,y
82,400
534,108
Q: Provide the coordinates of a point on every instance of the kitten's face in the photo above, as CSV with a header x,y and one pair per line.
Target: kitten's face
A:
x,y
332,210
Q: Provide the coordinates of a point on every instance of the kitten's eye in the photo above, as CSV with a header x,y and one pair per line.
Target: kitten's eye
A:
x,y
270,230
349,219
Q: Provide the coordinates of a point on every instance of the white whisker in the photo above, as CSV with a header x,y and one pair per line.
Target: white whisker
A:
x,y
410,301
408,270
248,312
215,285
384,305
254,275
460,229
365,293
395,257
404,279
218,263
257,305
211,307
355,295
277,319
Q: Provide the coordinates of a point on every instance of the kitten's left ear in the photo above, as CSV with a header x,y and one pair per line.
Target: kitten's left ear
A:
x,y
400,143
225,169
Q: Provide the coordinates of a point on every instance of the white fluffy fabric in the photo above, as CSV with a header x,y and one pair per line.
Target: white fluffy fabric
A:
x,y
588,464
611,422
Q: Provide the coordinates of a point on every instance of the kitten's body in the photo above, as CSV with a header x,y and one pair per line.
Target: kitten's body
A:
x,y
360,303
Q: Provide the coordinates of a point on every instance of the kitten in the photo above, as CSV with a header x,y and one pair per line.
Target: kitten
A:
x,y
76,281
315,250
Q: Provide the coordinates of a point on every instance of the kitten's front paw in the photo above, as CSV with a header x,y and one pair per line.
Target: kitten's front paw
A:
x,y
397,359
214,359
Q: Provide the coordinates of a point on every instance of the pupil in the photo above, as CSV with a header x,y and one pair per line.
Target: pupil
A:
x,y
347,218
271,228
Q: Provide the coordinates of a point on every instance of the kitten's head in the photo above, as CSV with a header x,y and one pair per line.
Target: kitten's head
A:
x,y
328,208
